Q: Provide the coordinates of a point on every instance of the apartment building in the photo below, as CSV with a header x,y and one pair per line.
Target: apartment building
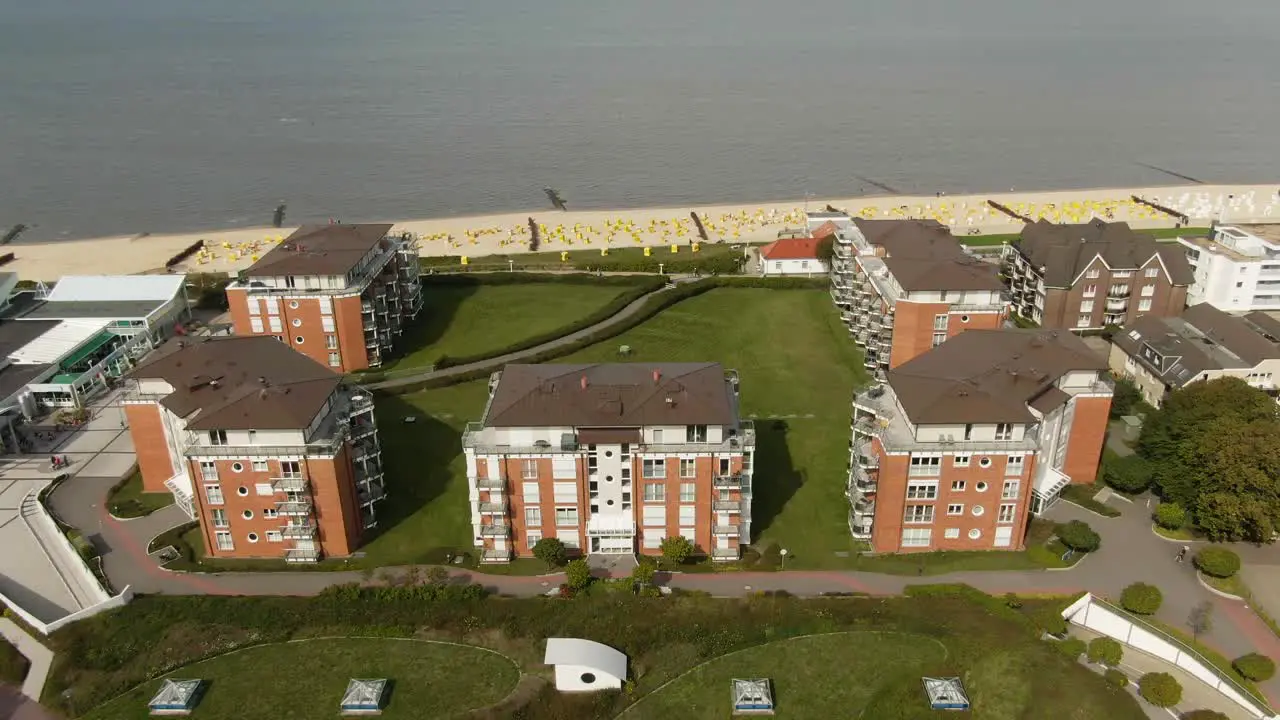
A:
x,y
269,450
1237,268
610,459
1164,354
959,445
905,286
339,294
1095,274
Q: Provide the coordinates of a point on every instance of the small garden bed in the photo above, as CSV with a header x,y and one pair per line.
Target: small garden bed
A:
x,y
1082,495
127,499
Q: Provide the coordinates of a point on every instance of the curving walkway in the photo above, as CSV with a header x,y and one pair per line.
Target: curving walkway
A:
x,y
496,362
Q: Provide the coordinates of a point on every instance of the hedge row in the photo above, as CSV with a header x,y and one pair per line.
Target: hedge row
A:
x,y
502,277
653,305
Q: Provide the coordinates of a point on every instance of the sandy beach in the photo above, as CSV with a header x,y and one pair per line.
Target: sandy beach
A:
x,y
230,250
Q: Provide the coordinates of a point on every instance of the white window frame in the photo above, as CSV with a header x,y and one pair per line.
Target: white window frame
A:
x,y
654,468
533,517
261,466
529,469
960,461
690,465
955,509
688,492
957,485
222,539
654,492
654,516
917,537
1014,465
531,491
1010,489
274,536
917,514
567,517
925,466
1008,513
213,495
922,489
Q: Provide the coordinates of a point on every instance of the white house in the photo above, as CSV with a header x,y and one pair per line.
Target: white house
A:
x,y
584,665
793,256
1237,269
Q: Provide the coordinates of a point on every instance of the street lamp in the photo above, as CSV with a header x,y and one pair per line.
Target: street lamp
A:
x,y
783,553
511,265
660,266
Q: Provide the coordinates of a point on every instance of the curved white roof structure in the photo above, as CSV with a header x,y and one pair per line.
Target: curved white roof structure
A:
x,y
584,665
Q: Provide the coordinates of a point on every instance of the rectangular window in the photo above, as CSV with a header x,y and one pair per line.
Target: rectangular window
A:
x,y
1121,273
687,515
219,518
533,517
689,534
1092,274
255,324
1083,321
224,541
1010,490
955,509
335,360
1144,305
653,539
1090,290
274,323
273,305
655,515
330,341
326,324
925,466
688,468
274,536
957,486
566,517
939,338
255,306
1148,290
565,492
951,533
1004,431
264,489
657,436
960,461
1006,512
532,538
260,466
655,492
1013,465
217,437
530,491
1151,272
916,537
695,433
208,470
529,469
922,490
213,494
270,513
1086,306
688,492
940,322
655,468
918,514
570,539
326,305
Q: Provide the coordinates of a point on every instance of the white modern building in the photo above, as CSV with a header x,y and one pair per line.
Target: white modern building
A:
x,y
793,257
1237,269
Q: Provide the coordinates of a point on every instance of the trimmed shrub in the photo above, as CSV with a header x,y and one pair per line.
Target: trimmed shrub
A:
x,y
1255,667
577,574
1079,536
1049,619
1129,474
1218,562
644,570
677,549
1170,516
551,551
1141,598
1105,651
1203,715
1115,678
1071,647
1160,689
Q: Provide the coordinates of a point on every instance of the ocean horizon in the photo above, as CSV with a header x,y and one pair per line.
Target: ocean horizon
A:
x,y
133,116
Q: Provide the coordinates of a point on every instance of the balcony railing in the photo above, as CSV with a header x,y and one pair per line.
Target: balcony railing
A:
x,y
495,530
298,531
724,530
729,506
724,554
302,555
290,483
1117,303
491,556
493,508
293,508
1117,292
732,480
490,483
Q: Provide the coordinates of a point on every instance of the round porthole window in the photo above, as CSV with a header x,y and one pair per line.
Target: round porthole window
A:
x,y
253,537
247,514
237,467
299,339
608,453
964,318
985,462
974,534
977,511
242,491
293,304
981,487
608,478
297,322
587,678
609,503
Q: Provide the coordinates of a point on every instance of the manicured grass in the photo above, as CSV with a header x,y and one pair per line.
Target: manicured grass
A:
x,y
1232,585
305,680
1157,233
631,256
822,676
461,320
13,666
129,501
1082,495
1179,534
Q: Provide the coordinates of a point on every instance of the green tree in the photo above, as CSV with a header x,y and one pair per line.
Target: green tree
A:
x,y
1160,689
1116,678
826,249
1141,598
1072,648
1255,667
1129,474
1079,536
1218,562
1200,619
1125,398
676,549
577,574
644,570
1105,651
551,551
1170,516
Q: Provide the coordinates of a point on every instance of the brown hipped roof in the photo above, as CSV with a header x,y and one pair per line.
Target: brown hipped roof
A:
x,y
239,383
990,376
1065,251
616,395
333,249
924,255
910,238
1203,338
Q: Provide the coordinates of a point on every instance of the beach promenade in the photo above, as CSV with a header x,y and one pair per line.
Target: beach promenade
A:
x,y
508,233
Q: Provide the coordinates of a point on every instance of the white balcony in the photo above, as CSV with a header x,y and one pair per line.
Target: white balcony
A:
x,y
495,530
724,554
294,508
724,530
728,506
302,555
489,555
290,483
602,525
490,483
298,531
732,480
497,507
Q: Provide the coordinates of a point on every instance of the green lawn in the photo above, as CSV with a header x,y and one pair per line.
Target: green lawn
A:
x,y
618,255
305,680
462,320
129,501
1157,233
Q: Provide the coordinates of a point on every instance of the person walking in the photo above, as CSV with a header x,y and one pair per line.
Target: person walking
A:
x,y
1182,553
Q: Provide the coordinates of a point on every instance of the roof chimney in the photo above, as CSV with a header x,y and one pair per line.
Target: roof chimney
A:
x,y
584,382
657,376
